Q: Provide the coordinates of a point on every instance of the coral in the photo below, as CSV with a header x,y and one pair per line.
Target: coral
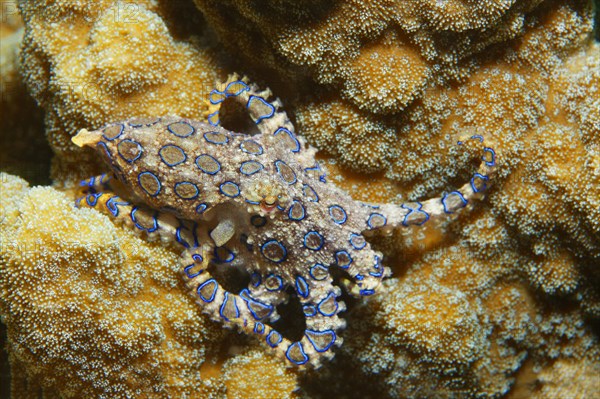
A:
x,y
504,301
23,148
92,310
250,375
124,59
260,204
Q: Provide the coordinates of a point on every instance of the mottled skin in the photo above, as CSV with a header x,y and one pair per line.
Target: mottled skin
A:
x,y
259,204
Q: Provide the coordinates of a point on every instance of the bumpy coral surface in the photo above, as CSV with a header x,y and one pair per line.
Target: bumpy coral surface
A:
x,y
83,297
260,205
23,148
504,302
124,59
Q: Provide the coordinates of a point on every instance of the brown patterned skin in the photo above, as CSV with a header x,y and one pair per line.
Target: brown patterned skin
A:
x,y
259,205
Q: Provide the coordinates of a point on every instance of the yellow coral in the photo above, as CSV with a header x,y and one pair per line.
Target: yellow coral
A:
x,y
92,310
383,87
251,375
23,148
123,61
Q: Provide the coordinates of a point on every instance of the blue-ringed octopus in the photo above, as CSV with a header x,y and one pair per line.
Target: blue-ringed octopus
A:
x,y
257,206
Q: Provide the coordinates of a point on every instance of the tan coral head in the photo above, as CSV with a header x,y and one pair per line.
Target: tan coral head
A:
x,y
85,137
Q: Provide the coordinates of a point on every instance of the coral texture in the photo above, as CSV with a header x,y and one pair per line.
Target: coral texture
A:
x,y
90,63
94,311
23,148
504,302
260,205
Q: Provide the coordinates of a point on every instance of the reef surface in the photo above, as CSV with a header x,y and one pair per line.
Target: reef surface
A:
x,y
503,301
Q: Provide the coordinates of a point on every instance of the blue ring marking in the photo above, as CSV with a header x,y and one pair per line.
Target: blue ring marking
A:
x,y
328,297
309,310
341,253
318,267
197,258
139,154
106,150
359,277
208,136
299,346
201,208
377,267
279,245
317,168
247,151
259,328
252,202
278,339
279,280
354,237
313,233
313,197
237,82
210,172
418,210
176,147
366,292
279,162
245,295
213,293
482,177
213,119
259,166
283,130
262,100
445,200
477,137
122,128
224,304
182,184
255,279
219,95
92,199
187,271
229,183
258,221
331,333
139,226
370,220
298,218
491,151
159,184
302,287
89,182
180,239
113,205
170,129
229,255
337,220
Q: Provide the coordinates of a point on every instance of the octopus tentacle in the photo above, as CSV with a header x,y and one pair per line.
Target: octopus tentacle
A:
x,y
96,183
418,213
367,274
156,225
266,113
243,309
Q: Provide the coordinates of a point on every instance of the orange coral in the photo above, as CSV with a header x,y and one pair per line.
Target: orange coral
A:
x,y
80,295
386,88
123,61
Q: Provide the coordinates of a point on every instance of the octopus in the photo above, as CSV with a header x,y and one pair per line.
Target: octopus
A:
x,y
267,241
